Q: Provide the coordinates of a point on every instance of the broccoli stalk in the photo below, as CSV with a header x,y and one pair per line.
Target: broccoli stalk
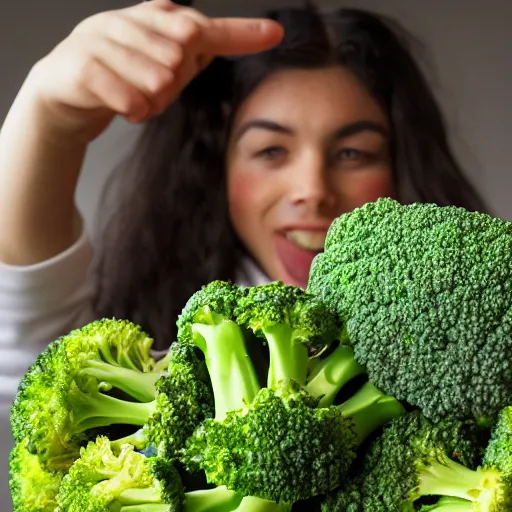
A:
x,y
328,376
291,322
93,409
138,385
445,477
288,355
233,378
116,353
415,458
369,409
448,505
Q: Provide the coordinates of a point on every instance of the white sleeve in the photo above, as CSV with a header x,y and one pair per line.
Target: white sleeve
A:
x,y
38,303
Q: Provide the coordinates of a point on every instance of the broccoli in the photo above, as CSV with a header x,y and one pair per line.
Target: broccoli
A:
x,y
291,322
184,400
275,442
208,319
280,447
27,473
125,481
416,459
93,377
426,296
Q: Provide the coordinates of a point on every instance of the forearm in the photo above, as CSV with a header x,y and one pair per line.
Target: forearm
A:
x,y
39,169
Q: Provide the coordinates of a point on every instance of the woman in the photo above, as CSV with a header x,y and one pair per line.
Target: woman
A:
x,y
244,162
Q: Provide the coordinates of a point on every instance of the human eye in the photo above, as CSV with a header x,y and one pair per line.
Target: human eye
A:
x,y
350,154
271,153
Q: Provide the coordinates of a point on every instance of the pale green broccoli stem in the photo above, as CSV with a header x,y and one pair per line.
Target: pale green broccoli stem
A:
x,y
449,505
234,380
150,507
148,499
139,440
328,376
99,410
449,478
288,356
369,409
135,383
254,504
212,500
162,364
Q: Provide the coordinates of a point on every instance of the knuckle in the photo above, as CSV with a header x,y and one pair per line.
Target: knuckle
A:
x,y
187,30
85,67
115,27
95,22
158,79
172,54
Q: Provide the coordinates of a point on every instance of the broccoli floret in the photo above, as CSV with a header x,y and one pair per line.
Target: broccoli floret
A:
x,y
426,294
415,458
184,400
126,481
280,447
70,390
291,321
27,474
208,319
275,442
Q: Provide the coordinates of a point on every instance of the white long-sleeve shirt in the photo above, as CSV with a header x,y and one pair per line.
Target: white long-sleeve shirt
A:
x,y
39,303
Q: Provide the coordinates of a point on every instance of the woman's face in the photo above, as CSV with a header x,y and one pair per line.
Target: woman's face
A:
x,y
306,146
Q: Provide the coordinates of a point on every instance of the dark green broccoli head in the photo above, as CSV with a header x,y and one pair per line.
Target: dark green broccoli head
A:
x,y
349,498
104,479
498,455
279,448
414,458
184,400
27,473
426,293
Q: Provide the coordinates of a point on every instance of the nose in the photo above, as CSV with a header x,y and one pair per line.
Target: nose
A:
x,y
309,182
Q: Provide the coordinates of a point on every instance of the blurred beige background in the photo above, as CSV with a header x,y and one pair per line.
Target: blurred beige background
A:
x,y
469,60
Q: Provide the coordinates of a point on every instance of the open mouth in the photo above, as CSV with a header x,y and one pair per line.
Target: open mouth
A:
x,y
296,250
308,240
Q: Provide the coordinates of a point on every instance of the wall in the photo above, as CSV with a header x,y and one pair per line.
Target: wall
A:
x,y
470,44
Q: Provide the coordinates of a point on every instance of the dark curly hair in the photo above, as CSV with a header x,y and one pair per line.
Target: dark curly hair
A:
x,y
171,233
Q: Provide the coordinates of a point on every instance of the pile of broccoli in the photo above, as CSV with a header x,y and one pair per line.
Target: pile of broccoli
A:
x,y
385,386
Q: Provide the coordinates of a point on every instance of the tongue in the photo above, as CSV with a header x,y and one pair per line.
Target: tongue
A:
x,y
296,261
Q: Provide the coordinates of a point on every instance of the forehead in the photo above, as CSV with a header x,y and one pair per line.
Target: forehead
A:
x,y
322,97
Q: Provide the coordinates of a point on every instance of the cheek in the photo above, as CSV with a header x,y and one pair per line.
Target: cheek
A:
x,y
250,197
243,192
368,188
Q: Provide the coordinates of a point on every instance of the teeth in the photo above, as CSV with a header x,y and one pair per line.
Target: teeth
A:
x,y
309,240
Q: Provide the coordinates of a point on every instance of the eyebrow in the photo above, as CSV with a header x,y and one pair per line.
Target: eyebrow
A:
x,y
341,133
